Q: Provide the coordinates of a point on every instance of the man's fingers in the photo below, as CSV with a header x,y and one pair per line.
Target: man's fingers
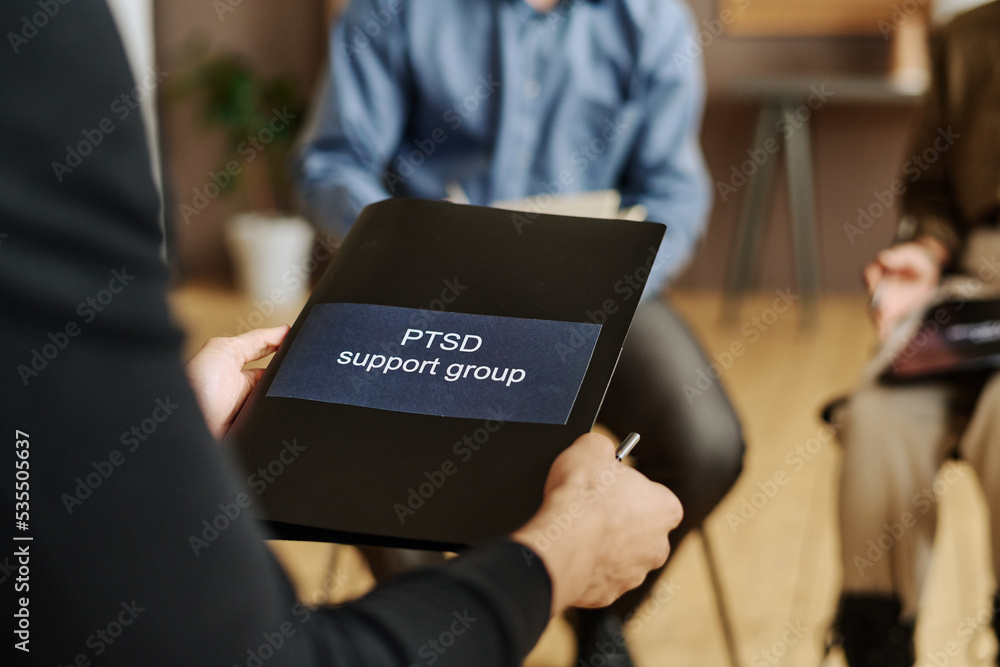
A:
x,y
253,375
897,258
873,274
910,260
664,553
570,464
675,511
597,443
259,343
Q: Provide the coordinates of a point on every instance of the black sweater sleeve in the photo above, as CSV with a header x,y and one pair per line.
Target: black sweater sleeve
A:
x,y
141,550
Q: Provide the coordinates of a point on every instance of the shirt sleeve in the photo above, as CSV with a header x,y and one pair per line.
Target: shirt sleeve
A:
x,y
361,116
473,612
667,172
140,543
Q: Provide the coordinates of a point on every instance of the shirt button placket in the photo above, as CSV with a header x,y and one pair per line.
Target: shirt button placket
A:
x,y
531,90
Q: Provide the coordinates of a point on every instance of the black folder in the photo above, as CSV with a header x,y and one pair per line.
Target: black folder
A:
x,y
446,357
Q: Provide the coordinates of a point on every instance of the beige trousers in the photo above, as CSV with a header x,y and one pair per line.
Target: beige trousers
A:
x,y
895,439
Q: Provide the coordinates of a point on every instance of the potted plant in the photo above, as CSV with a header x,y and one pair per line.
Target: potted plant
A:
x,y
259,119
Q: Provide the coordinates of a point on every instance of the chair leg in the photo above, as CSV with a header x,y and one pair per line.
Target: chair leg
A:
x,y
720,600
803,205
756,200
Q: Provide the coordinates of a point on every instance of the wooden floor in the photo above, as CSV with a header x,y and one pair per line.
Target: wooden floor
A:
x,y
779,568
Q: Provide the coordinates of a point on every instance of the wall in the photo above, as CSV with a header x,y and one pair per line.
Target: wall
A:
x,y
288,38
816,17
857,150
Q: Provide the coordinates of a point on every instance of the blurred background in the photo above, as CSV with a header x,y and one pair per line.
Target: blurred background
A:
x,y
855,70
858,145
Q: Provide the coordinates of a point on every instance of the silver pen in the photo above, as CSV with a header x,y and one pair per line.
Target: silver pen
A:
x,y
627,444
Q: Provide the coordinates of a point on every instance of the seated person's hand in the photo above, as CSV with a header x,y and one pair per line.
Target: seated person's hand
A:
x,y
602,525
218,378
903,279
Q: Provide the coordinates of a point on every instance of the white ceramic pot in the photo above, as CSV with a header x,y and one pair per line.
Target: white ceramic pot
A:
x,y
269,254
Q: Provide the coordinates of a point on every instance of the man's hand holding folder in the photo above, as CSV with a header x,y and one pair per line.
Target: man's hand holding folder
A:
x,y
601,527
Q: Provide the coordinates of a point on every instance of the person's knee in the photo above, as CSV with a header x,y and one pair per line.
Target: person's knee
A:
x,y
892,441
725,460
714,461
989,398
859,420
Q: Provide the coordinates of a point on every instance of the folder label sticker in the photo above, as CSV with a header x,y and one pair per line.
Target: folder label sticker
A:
x,y
438,363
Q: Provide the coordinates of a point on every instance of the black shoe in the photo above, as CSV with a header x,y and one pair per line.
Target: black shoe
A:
x,y
601,640
871,632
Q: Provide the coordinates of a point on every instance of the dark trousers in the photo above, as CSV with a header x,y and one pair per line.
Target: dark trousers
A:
x,y
691,444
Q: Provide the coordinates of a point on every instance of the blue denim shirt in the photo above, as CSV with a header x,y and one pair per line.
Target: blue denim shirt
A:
x,y
508,102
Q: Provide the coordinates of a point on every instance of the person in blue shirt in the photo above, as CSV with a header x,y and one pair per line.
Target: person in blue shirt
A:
x,y
506,99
